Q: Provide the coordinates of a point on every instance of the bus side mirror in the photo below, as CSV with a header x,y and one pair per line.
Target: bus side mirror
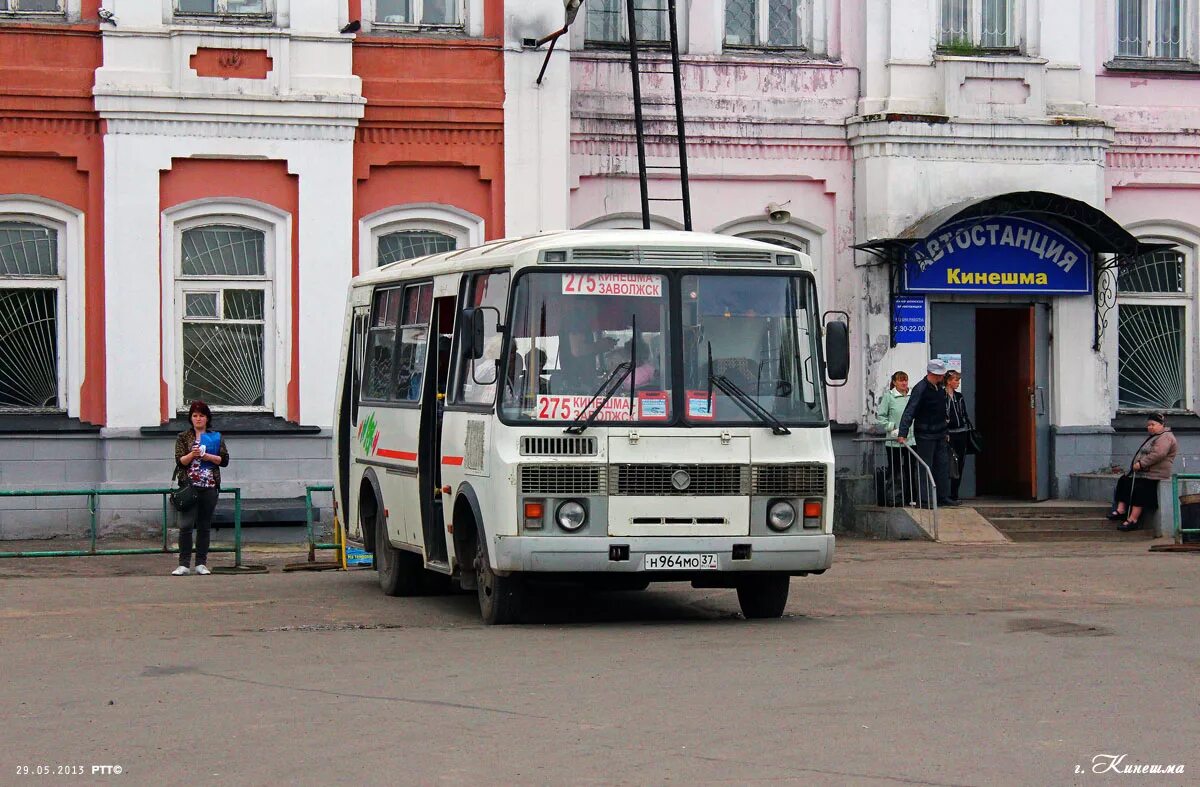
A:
x,y
474,333
837,349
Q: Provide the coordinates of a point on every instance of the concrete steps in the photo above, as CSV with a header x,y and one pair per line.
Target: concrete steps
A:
x,y
1058,522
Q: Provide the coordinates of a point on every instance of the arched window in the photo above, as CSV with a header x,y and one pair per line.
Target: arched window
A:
x,y
407,244
404,232
224,293
1155,293
793,242
32,312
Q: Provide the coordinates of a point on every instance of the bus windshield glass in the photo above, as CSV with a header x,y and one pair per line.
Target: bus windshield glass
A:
x,y
576,334
750,337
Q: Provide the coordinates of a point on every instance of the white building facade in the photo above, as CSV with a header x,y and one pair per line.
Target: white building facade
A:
x,y
249,158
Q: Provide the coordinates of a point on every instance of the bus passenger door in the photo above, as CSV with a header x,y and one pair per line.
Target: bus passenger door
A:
x,y
433,402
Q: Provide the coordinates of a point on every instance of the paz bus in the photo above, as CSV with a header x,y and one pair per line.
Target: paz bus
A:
x,y
611,408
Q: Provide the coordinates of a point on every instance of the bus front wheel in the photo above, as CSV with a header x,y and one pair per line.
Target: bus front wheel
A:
x,y
399,571
763,596
500,598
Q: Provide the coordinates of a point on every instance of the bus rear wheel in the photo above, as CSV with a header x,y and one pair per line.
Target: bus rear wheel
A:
x,y
763,596
500,598
399,571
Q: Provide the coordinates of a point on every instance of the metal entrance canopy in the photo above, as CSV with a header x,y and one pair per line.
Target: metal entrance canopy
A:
x,y
1112,246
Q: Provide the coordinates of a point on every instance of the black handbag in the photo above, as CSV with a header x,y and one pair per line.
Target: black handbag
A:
x,y
183,498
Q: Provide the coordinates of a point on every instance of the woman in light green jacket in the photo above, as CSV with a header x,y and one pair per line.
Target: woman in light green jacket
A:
x,y
891,410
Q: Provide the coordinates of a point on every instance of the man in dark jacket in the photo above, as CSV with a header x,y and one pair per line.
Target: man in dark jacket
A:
x,y
926,414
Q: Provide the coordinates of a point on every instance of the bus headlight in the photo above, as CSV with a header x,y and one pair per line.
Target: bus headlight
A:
x,y
571,515
781,515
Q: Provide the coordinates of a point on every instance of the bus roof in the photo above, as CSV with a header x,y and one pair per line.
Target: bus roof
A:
x,y
590,247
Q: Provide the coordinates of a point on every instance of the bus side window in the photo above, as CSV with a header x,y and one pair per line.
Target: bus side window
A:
x,y
381,345
358,346
477,378
413,342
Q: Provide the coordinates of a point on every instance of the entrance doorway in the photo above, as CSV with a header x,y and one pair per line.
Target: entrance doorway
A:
x,y
1004,353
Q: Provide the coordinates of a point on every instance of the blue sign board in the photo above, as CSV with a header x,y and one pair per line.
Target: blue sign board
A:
x,y
998,254
908,319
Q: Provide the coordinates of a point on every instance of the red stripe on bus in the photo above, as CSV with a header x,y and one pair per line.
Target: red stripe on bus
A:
x,y
452,460
388,453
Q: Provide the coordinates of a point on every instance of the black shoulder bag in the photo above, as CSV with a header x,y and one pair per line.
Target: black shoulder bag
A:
x,y
183,498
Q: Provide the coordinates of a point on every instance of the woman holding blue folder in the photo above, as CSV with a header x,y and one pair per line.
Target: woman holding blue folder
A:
x,y
200,454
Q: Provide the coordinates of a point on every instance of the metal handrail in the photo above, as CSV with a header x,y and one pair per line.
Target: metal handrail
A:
x,y
1176,505
94,495
313,546
916,458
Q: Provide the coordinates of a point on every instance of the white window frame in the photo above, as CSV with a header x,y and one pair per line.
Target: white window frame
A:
x,y
223,16
682,12
793,231
68,284
67,9
470,14
628,221
812,13
1016,27
276,227
1188,242
1190,23
466,228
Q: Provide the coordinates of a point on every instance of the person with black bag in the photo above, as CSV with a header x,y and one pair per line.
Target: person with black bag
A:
x,y
926,416
200,453
959,430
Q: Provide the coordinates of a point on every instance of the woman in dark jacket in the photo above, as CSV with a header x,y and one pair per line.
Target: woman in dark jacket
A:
x,y
959,431
197,466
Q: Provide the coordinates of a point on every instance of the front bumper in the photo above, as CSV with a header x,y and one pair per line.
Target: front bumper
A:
x,y
584,554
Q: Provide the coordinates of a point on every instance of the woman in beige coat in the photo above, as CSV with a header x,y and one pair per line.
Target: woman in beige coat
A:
x,y
1137,490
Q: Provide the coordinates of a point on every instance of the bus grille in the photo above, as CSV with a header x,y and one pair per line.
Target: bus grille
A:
x,y
656,480
560,480
789,480
558,446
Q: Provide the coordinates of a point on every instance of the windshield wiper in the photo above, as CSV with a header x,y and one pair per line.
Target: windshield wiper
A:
x,y
742,399
588,415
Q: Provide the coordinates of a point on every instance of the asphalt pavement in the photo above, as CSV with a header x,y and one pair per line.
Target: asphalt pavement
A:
x,y
907,663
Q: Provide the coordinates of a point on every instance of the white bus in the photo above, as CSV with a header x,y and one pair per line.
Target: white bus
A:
x,y
605,407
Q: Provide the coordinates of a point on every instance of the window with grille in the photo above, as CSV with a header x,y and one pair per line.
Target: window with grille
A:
x,y
1152,332
31,295
607,21
778,239
419,13
775,24
1151,29
968,25
223,292
31,6
237,9
407,244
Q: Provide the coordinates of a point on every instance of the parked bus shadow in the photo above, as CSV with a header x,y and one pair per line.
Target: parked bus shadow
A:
x,y
565,604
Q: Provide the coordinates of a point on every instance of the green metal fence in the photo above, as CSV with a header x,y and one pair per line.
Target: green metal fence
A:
x,y
94,496
1180,530
313,545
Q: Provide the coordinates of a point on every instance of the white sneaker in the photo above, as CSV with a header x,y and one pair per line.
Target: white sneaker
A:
x,y
183,571
202,569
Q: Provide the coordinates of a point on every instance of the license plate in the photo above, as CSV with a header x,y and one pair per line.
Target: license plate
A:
x,y
674,561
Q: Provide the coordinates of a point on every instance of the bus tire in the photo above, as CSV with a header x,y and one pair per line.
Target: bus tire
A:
x,y
500,598
764,595
399,571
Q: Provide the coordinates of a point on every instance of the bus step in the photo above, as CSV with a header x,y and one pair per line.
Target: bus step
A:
x,y
439,566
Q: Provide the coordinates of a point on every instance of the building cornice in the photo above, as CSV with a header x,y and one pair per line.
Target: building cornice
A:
x,y
936,137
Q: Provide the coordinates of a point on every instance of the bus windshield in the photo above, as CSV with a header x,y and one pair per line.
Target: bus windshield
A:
x,y
574,335
757,335
572,332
